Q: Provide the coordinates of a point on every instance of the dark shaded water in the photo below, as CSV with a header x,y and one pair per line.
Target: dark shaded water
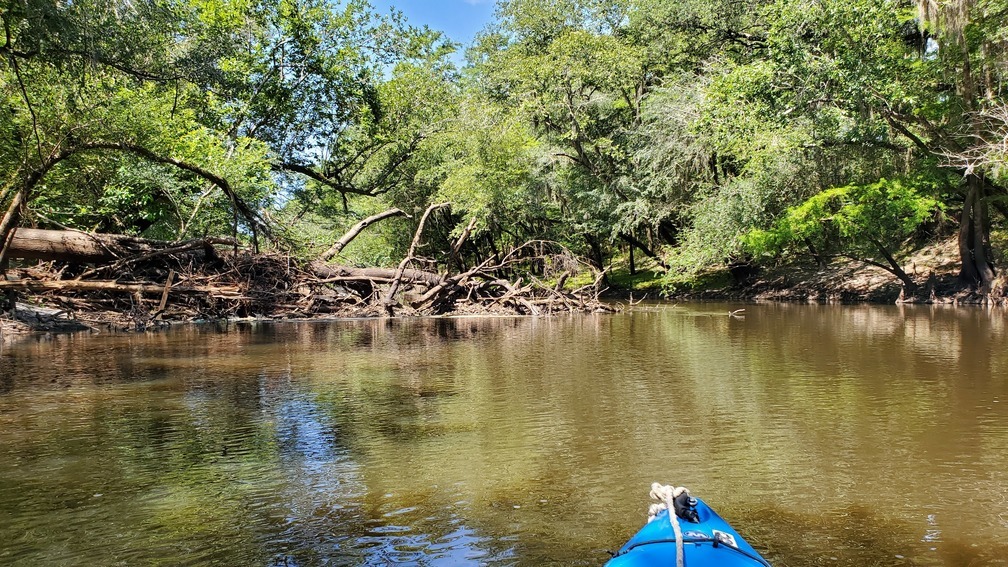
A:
x,y
848,436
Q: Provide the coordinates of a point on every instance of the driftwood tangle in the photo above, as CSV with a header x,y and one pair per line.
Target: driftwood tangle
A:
x,y
211,278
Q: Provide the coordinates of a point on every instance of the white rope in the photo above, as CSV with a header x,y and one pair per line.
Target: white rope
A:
x,y
666,495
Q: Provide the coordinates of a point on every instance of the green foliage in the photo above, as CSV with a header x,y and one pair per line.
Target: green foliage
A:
x,y
854,220
309,234
569,71
644,281
710,129
155,103
487,165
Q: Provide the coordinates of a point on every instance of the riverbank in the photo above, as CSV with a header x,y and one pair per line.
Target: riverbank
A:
x,y
165,283
934,267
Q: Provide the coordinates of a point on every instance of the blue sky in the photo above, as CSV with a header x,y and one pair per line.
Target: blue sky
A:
x,y
460,20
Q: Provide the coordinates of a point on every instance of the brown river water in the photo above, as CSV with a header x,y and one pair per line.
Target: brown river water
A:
x,y
827,435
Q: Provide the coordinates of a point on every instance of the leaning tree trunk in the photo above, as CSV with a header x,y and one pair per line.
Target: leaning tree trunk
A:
x,y
8,228
634,242
909,285
977,269
390,301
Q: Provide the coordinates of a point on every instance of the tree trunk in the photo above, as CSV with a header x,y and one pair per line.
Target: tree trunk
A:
x,y
346,273
454,261
390,301
87,247
909,285
110,285
819,260
669,233
976,269
643,248
495,252
597,259
8,227
967,271
64,245
981,242
633,266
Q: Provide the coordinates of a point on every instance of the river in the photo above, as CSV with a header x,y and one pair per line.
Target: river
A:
x,y
827,435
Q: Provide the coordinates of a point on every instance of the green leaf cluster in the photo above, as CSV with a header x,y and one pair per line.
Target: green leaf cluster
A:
x,y
853,220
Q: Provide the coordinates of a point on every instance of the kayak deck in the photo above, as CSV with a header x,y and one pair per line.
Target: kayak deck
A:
x,y
709,542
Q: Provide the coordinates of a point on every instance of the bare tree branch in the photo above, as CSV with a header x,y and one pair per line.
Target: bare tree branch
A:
x,y
355,230
389,301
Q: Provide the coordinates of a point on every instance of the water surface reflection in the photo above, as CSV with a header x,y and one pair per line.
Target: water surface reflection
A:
x,y
866,435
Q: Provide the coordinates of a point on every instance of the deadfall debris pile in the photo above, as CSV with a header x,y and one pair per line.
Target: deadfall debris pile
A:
x,y
85,279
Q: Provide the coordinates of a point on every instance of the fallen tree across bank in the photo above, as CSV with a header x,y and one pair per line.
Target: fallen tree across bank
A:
x,y
146,282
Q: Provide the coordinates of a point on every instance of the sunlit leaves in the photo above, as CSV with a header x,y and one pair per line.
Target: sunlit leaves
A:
x,y
851,220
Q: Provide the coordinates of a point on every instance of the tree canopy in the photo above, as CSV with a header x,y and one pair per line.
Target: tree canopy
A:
x,y
703,133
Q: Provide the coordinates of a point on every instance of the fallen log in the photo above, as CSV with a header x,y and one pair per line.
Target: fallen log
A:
x,y
111,285
87,247
337,273
74,285
446,283
39,244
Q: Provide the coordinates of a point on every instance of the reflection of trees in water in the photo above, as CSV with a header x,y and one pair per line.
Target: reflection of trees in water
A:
x,y
833,403
62,361
388,440
814,406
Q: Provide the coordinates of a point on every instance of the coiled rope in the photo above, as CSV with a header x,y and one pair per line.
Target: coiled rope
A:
x,y
666,495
